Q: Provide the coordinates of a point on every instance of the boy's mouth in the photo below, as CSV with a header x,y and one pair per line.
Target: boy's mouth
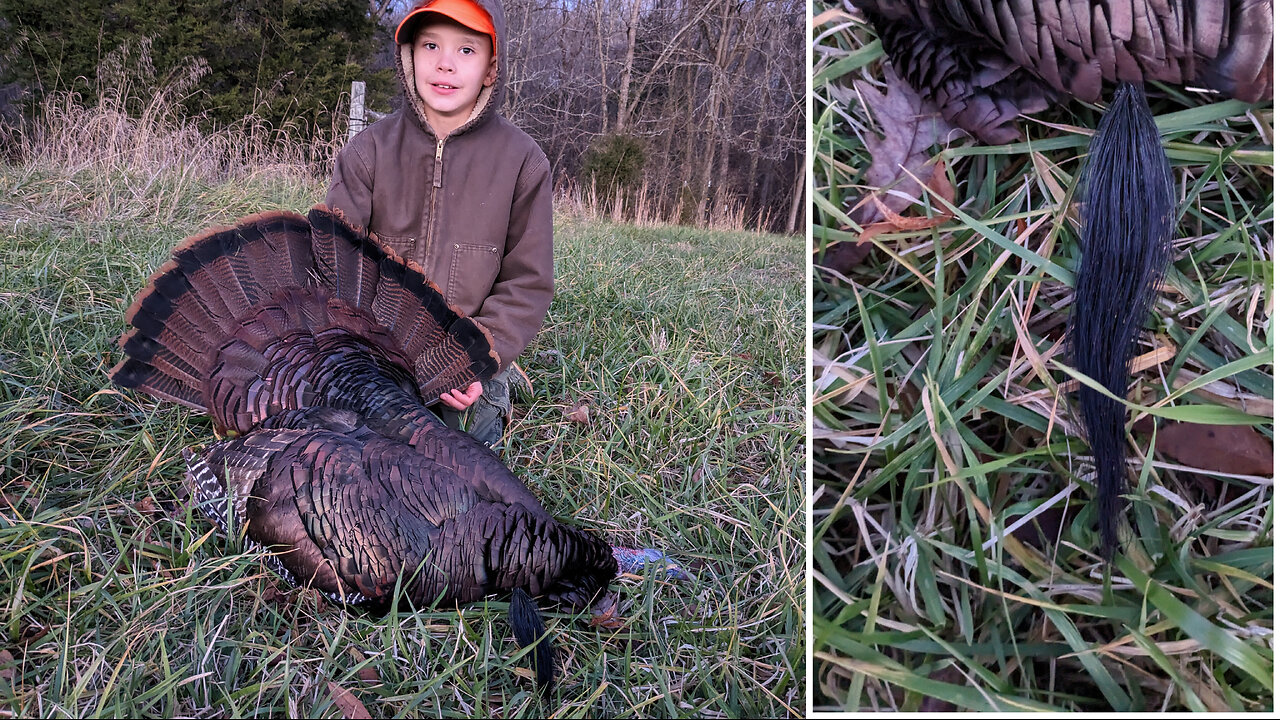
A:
x,y
444,86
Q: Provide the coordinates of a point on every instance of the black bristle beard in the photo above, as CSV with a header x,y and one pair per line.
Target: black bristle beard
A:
x,y
1126,242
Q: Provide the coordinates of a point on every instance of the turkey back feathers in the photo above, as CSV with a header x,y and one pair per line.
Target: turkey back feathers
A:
x,y
218,314
1125,246
354,512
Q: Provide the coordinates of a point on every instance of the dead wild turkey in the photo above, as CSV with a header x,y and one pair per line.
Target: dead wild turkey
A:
x,y
311,345
984,62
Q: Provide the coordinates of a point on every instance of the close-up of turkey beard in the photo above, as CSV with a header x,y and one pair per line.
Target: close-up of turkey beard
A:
x,y
403,358
1042,355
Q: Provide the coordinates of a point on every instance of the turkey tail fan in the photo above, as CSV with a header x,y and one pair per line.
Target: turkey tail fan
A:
x,y
449,350
192,303
528,626
346,259
1125,247
227,310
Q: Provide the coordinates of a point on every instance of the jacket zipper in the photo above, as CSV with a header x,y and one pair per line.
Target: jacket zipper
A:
x,y
435,183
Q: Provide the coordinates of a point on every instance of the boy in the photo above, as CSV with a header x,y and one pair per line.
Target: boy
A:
x,y
456,188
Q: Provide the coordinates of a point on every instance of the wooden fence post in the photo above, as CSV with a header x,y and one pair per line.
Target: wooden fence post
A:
x,y
356,121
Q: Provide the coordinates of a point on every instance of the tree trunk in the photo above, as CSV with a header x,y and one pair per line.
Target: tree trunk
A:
x,y
714,119
628,64
709,149
687,179
516,61
604,68
796,197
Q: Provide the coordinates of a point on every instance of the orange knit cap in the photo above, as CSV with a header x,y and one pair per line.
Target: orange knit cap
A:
x,y
464,12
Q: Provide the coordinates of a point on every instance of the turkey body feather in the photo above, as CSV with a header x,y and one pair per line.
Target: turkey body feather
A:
x,y
355,511
311,345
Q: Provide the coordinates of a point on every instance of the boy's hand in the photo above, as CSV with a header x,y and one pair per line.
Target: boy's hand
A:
x,y
461,399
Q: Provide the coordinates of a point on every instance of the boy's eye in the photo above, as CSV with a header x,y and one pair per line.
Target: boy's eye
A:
x,y
468,51
429,45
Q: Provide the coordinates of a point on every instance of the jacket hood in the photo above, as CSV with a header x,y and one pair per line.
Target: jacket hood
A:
x,y
490,98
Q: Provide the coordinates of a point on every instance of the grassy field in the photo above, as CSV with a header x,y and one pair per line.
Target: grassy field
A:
x,y
954,531
686,346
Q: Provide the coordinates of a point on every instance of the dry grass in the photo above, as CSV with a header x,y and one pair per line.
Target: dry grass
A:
x,y
646,208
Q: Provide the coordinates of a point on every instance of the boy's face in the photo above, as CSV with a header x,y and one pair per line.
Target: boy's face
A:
x,y
451,65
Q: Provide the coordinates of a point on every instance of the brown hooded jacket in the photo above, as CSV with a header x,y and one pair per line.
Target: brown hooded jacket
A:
x,y
472,208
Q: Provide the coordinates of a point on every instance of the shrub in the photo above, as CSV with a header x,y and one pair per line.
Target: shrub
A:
x,y
613,162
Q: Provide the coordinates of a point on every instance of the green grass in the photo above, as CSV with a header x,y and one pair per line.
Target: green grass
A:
x,y
686,345
943,422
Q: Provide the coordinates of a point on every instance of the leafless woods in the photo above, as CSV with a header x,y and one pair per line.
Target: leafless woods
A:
x,y
693,108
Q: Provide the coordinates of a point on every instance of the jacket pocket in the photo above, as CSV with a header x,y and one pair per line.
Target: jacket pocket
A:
x,y
402,245
471,275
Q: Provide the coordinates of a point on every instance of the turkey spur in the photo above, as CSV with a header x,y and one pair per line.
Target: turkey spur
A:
x,y
311,345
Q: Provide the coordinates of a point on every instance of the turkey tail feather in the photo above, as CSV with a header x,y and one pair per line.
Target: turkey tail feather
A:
x,y
1125,247
528,626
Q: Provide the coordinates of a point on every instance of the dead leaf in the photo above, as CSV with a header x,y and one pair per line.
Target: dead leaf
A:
x,y
899,222
578,413
915,223
14,490
32,633
952,676
1144,425
6,666
1236,449
349,704
830,15
147,506
367,673
911,126
1044,529
605,613
941,185
845,256
272,593
1224,393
